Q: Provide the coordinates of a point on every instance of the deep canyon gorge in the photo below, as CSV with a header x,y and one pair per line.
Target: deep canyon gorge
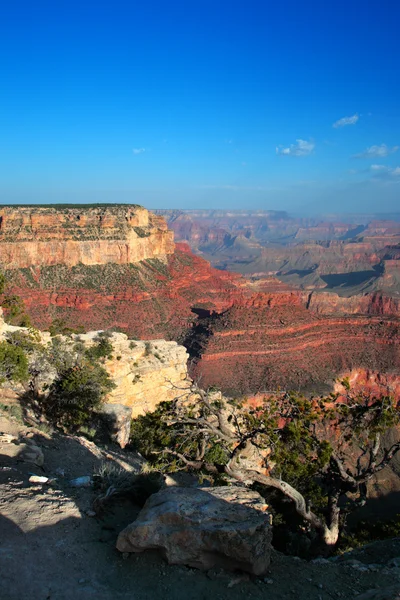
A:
x,y
118,267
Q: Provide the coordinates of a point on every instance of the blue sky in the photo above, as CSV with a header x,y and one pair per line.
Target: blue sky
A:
x,y
226,104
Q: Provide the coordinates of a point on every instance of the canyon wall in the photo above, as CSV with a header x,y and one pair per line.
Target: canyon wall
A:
x,y
368,304
153,298
45,236
243,336
282,344
345,257
364,381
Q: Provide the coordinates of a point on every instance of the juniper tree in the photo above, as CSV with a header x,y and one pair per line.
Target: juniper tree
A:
x,y
316,452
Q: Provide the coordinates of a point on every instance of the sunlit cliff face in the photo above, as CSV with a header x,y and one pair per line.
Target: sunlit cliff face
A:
x,y
90,236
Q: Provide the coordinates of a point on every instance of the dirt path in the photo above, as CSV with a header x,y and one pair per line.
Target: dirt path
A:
x,y
50,549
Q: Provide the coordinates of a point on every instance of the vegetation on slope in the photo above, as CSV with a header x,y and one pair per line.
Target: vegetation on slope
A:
x,y
288,448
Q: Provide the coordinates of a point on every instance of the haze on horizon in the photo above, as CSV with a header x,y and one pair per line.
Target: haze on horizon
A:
x,y
290,106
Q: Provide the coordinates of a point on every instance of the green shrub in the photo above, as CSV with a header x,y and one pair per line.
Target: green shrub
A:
x,y
25,321
14,308
2,283
76,393
13,304
28,342
13,363
101,350
365,532
13,410
59,327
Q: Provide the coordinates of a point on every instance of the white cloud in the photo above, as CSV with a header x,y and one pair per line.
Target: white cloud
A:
x,y
384,172
377,151
139,150
378,168
300,148
346,121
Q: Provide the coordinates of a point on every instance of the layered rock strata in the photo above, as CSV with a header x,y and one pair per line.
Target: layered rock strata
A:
x,y
287,346
33,236
243,335
151,298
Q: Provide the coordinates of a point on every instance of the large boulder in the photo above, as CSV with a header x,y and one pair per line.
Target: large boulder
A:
x,y
224,527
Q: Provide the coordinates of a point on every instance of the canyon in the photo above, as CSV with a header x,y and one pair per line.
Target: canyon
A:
x,y
117,267
346,257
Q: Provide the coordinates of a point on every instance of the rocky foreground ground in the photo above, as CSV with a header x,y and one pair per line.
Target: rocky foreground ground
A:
x,y
54,547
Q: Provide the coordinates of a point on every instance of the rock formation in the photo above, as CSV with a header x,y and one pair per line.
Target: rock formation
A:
x,y
224,527
144,373
242,335
150,298
308,253
365,381
117,419
46,236
277,341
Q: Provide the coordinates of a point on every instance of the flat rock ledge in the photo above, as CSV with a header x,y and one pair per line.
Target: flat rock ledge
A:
x,y
225,527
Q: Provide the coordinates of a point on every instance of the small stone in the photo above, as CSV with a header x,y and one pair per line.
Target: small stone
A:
x,y
90,513
234,582
353,563
7,438
38,479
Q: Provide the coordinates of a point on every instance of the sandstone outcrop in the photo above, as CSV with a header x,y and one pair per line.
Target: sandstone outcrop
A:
x,y
145,373
224,527
45,236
